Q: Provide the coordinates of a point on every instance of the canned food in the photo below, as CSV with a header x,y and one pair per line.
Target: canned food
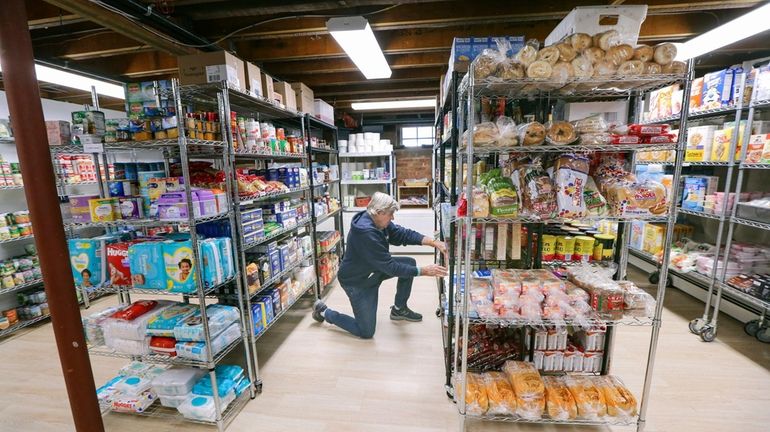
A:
x,y
565,248
584,248
15,231
603,247
8,281
5,233
21,217
549,247
25,229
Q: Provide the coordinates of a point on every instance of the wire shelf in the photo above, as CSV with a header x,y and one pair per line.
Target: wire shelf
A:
x,y
251,199
754,166
7,140
576,148
694,115
318,122
193,146
207,292
593,322
12,187
15,239
277,233
83,183
326,216
699,214
761,104
573,88
23,324
330,247
526,219
687,164
283,311
364,155
23,286
239,101
746,297
327,183
751,223
143,222
156,410
104,351
270,155
666,119
606,421
322,150
357,182
277,277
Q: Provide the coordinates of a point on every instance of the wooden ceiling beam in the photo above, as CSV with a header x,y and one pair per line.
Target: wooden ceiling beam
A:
x,y
376,88
337,65
283,7
120,24
347,78
655,28
92,46
133,66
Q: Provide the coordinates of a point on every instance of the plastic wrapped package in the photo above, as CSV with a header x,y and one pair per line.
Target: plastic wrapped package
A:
x,y
589,399
199,350
476,401
646,130
590,125
92,325
530,310
595,203
177,381
608,39
594,54
619,55
128,403
549,54
604,68
664,53
537,191
582,67
134,325
480,203
485,64
528,53
484,134
507,133
129,346
135,368
531,286
133,385
172,401
197,407
539,69
631,68
637,302
106,392
571,176
163,323
560,133
503,199
219,317
163,345
502,400
528,387
510,69
532,133
621,403
559,402
562,72
228,377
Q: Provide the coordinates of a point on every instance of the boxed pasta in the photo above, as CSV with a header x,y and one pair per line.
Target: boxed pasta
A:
x,y
699,142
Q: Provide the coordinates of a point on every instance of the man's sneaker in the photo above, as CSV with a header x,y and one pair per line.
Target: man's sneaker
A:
x,y
319,308
404,314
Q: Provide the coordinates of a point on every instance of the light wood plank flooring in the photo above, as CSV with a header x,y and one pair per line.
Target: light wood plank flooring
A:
x,y
319,379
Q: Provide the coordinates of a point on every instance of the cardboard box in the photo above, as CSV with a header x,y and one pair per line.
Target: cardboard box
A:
x,y
653,238
756,149
717,89
212,67
699,142
636,239
253,79
464,50
58,132
323,111
695,190
277,98
304,97
267,86
765,138
696,90
287,95
592,20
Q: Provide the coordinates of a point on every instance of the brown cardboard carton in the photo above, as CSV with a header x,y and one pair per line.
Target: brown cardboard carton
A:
x,y
277,98
267,86
304,96
253,79
212,67
58,132
289,98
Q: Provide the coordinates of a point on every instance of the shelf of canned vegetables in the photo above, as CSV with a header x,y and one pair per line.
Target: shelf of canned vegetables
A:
x,y
223,211
536,215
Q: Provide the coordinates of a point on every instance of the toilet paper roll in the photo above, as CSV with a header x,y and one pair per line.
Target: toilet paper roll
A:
x,y
352,140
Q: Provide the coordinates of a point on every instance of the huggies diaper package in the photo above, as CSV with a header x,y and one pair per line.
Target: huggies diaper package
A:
x,y
128,403
180,266
146,265
211,257
87,259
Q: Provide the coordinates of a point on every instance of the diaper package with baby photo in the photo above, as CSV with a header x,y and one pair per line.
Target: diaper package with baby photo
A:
x,y
180,266
145,265
219,318
88,258
211,257
226,245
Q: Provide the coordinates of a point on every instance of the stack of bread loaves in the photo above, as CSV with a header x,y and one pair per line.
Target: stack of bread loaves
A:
x,y
579,55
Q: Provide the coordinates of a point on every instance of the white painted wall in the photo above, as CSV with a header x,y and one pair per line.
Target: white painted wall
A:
x,y
57,110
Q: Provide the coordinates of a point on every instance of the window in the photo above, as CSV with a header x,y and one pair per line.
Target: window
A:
x,y
416,136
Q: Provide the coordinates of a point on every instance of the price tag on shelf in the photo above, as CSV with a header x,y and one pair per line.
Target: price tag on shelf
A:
x,y
92,143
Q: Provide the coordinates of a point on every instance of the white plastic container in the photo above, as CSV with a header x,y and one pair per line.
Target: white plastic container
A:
x,y
352,140
177,382
173,401
589,19
202,407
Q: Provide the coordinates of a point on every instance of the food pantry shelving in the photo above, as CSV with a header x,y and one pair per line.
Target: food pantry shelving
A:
x,y
464,97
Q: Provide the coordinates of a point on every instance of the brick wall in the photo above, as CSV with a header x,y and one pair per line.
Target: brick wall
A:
x,y
413,163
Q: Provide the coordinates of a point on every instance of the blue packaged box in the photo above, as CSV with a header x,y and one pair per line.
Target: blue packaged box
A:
x,y
275,262
275,295
146,264
268,302
464,50
717,89
257,318
88,260
283,252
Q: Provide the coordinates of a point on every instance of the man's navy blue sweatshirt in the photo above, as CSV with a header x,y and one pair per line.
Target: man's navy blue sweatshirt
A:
x,y
366,250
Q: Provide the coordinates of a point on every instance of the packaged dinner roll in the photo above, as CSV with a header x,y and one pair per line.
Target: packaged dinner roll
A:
x,y
507,133
502,400
559,402
476,402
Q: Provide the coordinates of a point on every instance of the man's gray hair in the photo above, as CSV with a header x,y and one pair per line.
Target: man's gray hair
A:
x,y
382,203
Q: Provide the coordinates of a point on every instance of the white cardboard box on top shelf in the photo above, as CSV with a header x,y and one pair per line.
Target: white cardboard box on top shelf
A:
x,y
627,20
323,111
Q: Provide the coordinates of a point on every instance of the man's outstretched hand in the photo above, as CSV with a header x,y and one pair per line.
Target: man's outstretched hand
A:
x,y
441,246
433,270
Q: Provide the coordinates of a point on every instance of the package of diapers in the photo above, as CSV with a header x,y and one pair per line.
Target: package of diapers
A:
x,y
127,346
228,264
180,266
203,407
127,403
92,325
199,350
177,381
228,378
146,263
219,317
134,328
133,385
87,260
211,257
163,323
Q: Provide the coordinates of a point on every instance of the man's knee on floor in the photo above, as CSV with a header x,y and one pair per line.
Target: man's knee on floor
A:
x,y
367,332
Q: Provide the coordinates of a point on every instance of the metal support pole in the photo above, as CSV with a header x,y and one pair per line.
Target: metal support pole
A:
x,y
40,190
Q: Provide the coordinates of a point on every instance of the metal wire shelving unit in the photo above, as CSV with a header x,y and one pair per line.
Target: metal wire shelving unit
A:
x,y
464,97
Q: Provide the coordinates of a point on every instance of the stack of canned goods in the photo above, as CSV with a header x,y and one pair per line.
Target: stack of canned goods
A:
x,y
15,225
20,270
577,242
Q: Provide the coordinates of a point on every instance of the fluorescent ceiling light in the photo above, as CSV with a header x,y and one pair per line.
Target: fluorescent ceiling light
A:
x,y
80,82
413,103
355,36
738,29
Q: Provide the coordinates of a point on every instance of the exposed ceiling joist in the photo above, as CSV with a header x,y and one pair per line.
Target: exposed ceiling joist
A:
x,y
375,88
281,7
335,65
346,78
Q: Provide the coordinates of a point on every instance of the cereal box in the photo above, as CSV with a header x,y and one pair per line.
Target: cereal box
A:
x,y
717,89
695,94
765,149
653,238
699,143
756,148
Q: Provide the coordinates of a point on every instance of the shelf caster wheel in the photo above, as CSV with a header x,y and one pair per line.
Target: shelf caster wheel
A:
x,y
696,326
708,334
751,328
654,278
258,388
438,312
763,335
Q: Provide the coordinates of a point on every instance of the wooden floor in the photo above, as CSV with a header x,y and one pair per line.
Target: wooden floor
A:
x,y
319,379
